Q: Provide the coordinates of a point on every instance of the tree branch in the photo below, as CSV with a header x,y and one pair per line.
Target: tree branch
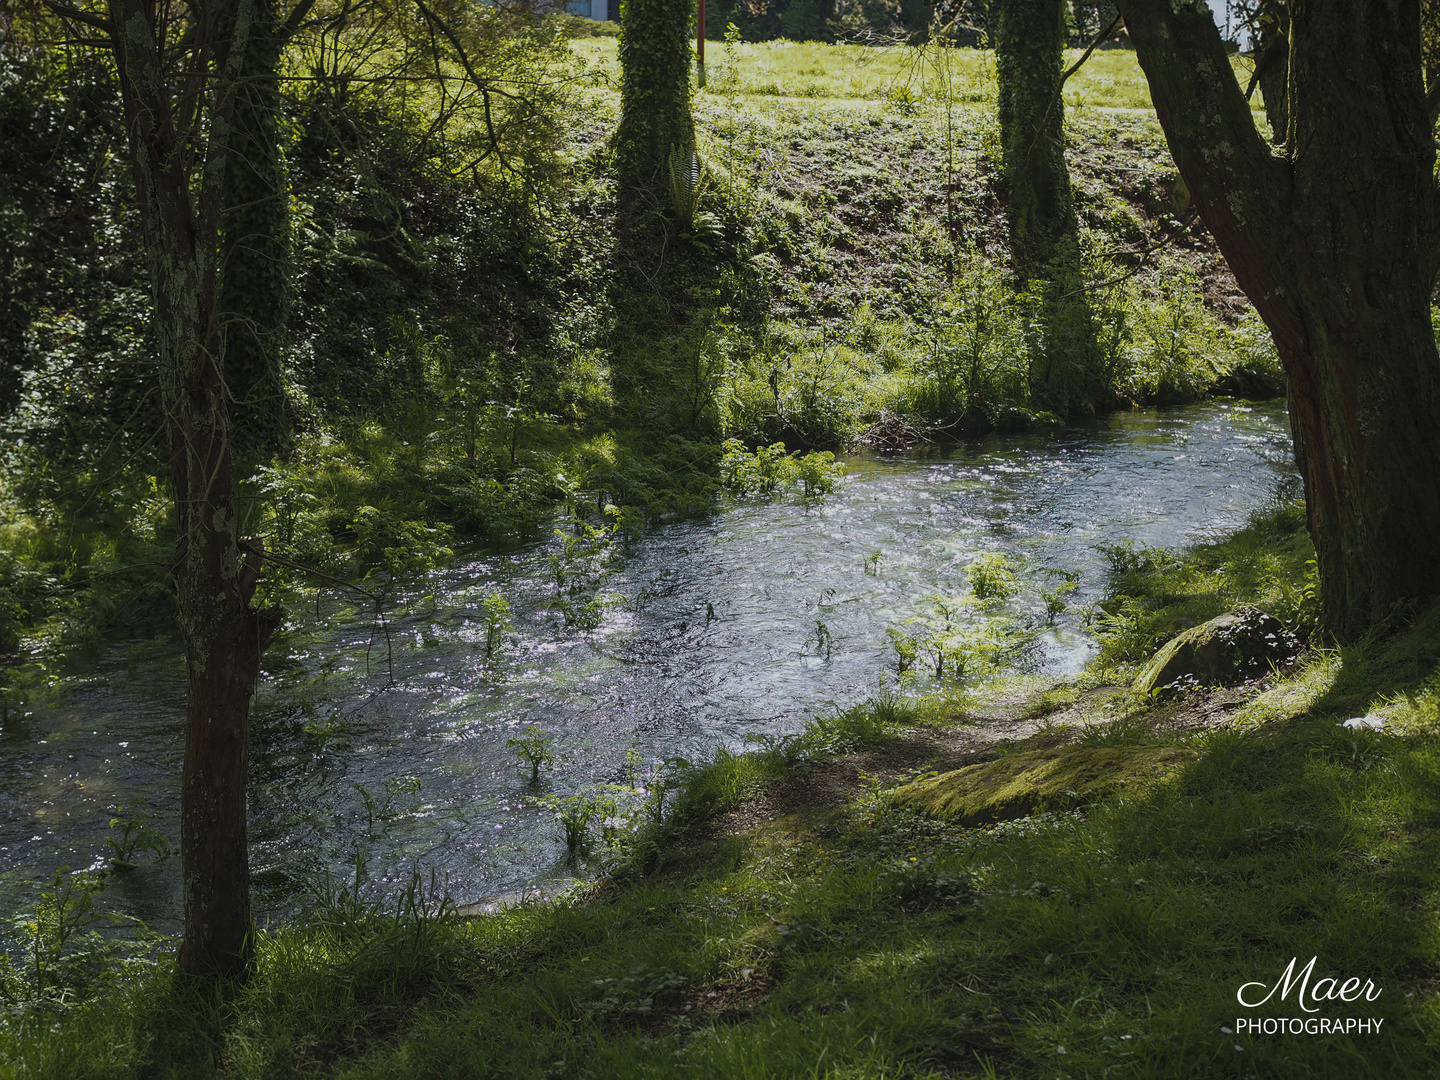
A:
x,y
296,18
74,14
1241,189
1086,55
480,84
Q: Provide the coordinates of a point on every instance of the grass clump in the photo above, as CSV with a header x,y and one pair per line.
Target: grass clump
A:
x,y
1152,594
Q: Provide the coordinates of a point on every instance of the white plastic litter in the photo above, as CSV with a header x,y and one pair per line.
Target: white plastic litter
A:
x,y
1370,722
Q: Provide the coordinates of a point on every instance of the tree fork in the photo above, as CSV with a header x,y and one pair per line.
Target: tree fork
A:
x,y
1337,246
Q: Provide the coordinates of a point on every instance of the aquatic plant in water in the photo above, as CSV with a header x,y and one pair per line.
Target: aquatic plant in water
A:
x,y
495,610
135,834
534,748
771,469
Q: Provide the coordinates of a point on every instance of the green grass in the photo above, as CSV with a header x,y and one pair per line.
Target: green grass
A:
x,y
1154,594
1110,79
775,928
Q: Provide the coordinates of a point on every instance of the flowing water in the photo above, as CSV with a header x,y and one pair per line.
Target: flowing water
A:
x,y
715,640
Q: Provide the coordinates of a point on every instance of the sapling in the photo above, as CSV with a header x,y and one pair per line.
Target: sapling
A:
x,y
1056,603
63,911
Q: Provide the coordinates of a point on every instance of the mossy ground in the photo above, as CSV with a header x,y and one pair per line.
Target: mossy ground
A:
x,y
1023,784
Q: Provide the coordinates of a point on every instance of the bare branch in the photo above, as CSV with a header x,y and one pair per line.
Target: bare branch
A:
x,y
74,14
485,88
1086,56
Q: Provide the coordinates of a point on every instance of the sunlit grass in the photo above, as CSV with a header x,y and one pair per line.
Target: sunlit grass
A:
x,y
1110,79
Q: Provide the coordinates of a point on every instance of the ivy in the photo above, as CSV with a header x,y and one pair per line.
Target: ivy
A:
x,y
655,118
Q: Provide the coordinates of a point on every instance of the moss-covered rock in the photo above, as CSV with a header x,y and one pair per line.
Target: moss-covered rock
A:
x,y
1017,785
1227,649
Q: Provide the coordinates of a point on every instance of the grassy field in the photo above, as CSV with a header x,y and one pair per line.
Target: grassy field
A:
x,y
1110,79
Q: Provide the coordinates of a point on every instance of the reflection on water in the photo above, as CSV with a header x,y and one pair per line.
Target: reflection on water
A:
x,y
709,646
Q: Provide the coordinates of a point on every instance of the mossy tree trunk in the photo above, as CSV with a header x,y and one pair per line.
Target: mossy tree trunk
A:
x,y
1337,243
255,247
1029,39
1064,374
655,120
1272,65
179,188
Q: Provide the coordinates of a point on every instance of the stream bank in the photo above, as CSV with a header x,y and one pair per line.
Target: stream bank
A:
x,y
788,919
707,637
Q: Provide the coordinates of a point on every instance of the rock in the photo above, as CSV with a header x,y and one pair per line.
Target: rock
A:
x,y
1018,785
1228,649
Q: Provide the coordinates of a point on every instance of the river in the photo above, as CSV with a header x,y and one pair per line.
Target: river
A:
x,y
710,636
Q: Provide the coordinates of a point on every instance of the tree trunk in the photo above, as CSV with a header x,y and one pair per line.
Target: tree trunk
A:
x,y
1029,37
1336,245
223,636
1272,68
655,120
255,249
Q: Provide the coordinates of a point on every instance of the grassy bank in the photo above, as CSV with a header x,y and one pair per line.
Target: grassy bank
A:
x,y
787,919
461,337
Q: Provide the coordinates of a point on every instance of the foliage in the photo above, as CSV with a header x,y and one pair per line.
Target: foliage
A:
x,y
1152,594
1055,600
58,957
962,639
992,578
972,363
771,470
535,749
136,834
467,327
580,568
